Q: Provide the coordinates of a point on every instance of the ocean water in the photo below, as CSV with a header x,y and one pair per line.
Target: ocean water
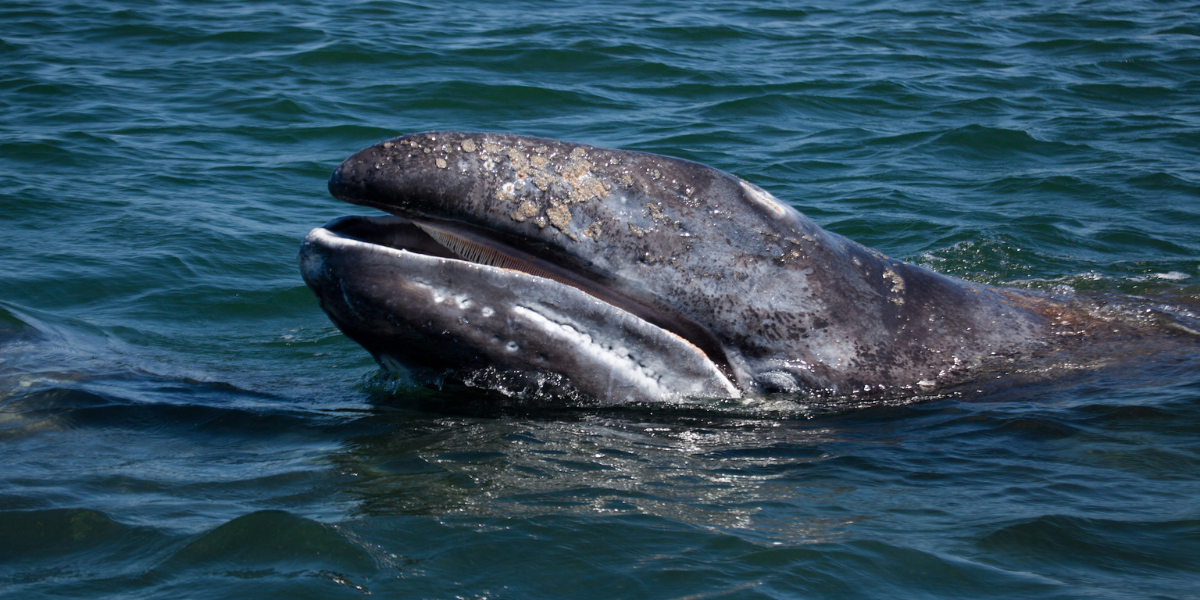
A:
x,y
179,419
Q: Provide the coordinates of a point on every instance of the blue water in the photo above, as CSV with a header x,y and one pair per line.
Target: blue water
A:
x,y
179,419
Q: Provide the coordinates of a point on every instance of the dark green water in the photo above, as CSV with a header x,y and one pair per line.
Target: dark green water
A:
x,y
179,419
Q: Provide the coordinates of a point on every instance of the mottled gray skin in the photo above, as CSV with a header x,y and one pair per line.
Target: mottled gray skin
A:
x,y
772,300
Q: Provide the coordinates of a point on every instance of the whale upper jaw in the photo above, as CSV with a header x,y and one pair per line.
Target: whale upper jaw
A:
x,y
410,300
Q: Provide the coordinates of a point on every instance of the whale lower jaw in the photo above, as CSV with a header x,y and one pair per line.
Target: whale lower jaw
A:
x,y
389,284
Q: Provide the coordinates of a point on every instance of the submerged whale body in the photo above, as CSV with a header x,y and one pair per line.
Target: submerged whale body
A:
x,y
626,276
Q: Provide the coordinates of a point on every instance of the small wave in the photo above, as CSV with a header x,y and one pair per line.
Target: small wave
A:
x,y
1169,276
52,545
273,539
992,143
1090,545
26,535
1077,46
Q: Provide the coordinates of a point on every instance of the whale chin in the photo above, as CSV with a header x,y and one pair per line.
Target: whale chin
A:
x,y
445,297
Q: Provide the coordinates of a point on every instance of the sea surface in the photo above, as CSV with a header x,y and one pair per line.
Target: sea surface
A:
x,y
178,418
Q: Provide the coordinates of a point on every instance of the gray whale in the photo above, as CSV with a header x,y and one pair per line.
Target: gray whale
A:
x,y
626,276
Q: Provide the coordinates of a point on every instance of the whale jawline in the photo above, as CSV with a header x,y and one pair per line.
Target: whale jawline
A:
x,y
456,242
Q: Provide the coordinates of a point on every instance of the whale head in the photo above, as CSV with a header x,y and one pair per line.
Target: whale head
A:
x,y
626,276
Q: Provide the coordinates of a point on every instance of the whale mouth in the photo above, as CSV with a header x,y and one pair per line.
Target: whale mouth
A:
x,y
455,241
